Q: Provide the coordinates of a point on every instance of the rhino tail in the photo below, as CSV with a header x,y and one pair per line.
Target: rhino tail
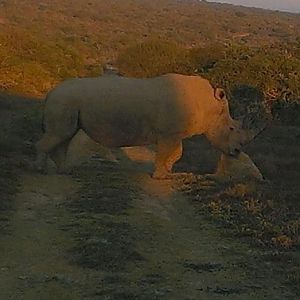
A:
x,y
43,114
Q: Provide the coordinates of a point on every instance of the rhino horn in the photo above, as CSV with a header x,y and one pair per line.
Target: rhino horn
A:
x,y
252,127
251,134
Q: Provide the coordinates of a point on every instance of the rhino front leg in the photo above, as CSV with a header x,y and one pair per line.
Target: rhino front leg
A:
x,y
168,152
59,155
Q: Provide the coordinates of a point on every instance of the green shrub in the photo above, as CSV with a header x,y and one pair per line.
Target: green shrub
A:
x,y
273,73
247,102
152,58
202,60
287,113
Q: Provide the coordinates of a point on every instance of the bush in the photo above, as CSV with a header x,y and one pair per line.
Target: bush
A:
x,y
31,64
202,60
273,73
247,102
287,113
152,58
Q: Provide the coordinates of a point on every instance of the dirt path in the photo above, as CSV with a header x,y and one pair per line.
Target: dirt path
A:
x,y
32,258
183,256
191,257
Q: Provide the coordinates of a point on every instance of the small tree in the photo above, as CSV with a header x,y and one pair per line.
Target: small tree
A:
x,y
274,73
204,59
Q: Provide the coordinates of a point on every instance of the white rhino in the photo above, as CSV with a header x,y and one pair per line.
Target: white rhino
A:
x,y
118,111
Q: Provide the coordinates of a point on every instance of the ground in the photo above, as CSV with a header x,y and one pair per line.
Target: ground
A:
x,y
109,231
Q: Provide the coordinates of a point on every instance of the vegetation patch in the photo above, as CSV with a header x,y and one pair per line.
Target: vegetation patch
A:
x,y
266,213
252,212
272,72
19,130
104,238
152,58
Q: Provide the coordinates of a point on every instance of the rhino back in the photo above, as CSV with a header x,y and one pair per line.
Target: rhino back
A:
x,y
119,111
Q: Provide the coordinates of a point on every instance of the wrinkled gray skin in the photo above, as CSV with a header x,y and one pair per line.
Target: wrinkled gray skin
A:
x,y
117,111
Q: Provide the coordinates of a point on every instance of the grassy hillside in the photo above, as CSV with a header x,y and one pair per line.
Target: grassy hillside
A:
x,y
42,43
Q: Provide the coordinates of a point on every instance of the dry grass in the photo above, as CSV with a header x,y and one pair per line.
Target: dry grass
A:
x,y
269,213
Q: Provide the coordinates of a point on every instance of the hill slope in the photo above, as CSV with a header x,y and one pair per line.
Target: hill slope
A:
x,y
45,42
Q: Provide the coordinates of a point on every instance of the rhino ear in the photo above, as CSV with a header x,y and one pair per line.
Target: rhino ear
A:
x,y
220,94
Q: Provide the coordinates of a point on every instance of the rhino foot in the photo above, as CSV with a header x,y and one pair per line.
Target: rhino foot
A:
x,y
162,176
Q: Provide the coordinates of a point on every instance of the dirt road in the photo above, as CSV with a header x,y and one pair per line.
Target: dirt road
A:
x,y
111,232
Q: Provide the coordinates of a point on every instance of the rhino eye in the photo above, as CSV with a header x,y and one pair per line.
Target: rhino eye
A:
x,y
231,128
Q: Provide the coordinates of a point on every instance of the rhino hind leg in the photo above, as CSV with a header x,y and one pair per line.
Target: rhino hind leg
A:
x,y
60,126
59,154
43,147
53,146
168,152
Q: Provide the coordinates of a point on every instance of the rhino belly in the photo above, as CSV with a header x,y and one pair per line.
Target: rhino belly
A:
x,y
114,130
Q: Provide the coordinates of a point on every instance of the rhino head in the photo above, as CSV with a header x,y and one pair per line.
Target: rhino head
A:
x,y
225,133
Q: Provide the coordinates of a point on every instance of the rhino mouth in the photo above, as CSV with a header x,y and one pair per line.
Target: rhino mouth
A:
x,y
235,152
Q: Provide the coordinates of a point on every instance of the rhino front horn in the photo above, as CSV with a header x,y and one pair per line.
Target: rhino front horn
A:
x,y
250,135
